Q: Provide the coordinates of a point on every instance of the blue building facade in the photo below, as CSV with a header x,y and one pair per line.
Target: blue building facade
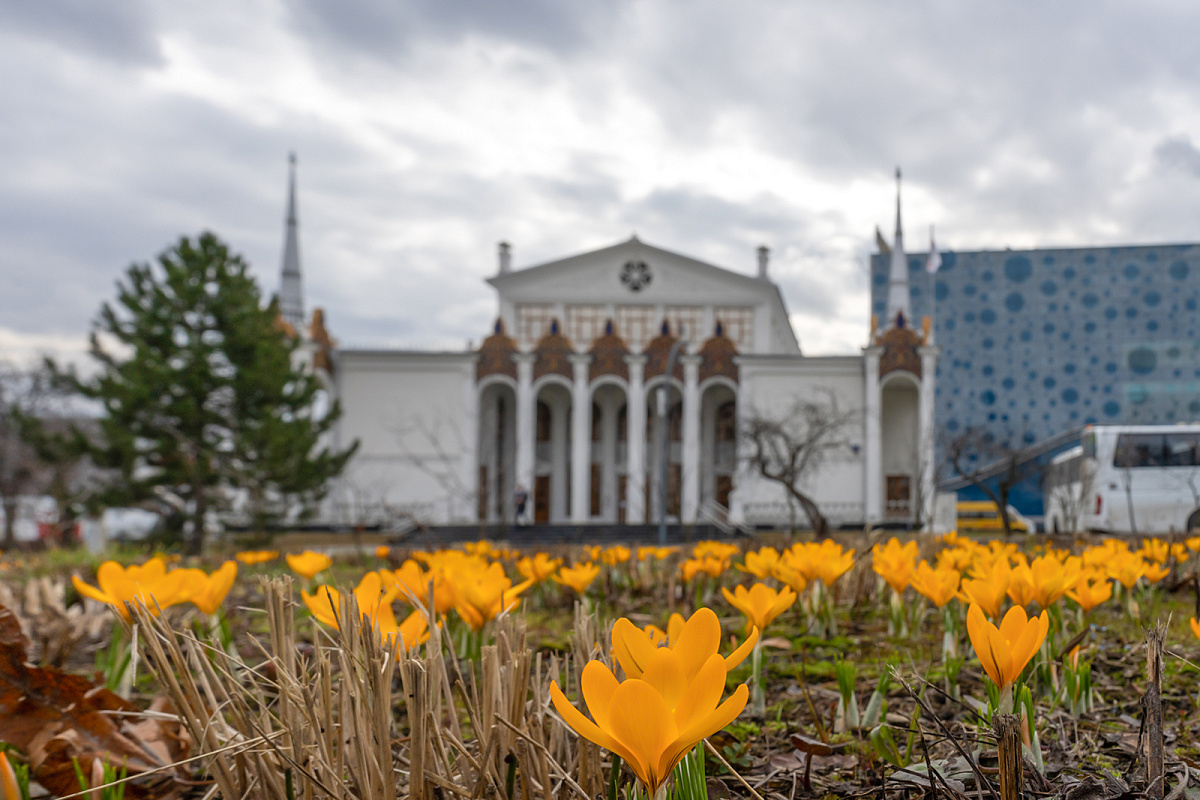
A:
x,y
1037,342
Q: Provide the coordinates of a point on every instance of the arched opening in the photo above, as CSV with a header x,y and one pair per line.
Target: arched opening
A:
x,y
899,425
718,445
552,455
609,453
497,454
656,421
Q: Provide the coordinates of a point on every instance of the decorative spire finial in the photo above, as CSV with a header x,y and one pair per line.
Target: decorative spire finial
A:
x,y
898,228
898,290
291,288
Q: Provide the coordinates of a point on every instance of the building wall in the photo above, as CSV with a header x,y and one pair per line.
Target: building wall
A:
x,y
1036,342
771,387
414,417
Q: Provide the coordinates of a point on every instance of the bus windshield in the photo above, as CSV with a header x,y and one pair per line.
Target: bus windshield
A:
x,y
1136,450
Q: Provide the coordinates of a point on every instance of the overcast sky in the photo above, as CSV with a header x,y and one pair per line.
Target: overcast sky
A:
x,y
429,132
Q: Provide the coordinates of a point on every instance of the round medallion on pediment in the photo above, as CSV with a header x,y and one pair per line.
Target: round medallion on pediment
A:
x,y
635,275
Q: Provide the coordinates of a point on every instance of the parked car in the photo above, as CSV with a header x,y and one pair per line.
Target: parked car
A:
x,y
982,516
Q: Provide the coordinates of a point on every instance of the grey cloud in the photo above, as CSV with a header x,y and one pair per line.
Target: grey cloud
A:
x,y
1178,152
1016,120
389,30
115,30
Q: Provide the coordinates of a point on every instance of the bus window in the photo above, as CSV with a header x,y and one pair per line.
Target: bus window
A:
x,y
1089,445
1139,450
1183,449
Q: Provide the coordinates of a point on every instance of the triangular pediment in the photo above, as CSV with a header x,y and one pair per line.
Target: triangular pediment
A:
x,y
631,272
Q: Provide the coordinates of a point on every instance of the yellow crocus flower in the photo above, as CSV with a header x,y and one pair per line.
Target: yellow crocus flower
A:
x,y
1126,568
252,557
894,562
709,565
760,563
939,586
1021,589
655,552
215,586
578,577
149,583
700,636
308,563
1156,572
832,564
1091,590
617,554
652,722
370,595
760,604
1005,650
483,595
989,590
539,567
1052,576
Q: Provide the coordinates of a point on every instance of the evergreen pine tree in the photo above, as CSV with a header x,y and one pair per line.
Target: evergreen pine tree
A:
x,y
204,401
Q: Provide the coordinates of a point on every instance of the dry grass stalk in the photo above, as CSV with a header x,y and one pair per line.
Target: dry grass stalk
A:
x,y
332,726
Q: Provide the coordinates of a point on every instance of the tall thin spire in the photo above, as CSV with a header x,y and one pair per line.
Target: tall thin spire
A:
x,y
291,287
898,296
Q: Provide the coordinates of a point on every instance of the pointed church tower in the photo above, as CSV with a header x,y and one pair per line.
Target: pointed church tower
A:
x,y
897,296
900,366
291,287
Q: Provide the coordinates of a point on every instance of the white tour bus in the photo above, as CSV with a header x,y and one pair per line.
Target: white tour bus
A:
x,y
1126,479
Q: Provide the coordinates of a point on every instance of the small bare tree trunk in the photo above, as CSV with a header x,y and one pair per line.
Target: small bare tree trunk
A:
x,y
417,747
1152,708
1008,745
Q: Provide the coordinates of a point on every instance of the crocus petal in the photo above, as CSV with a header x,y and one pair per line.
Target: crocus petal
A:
x,y
115,582
702,694
739,655
324,604
977,631
665,674
721,716
631,647
643,723
585,727
598,685
700,638
1013,623
87,590
675,626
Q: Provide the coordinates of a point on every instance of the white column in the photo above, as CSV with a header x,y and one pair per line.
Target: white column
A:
x,y
690,466
526,426
926,449
608,458
469,466
560,457
872,444
581,441
635,439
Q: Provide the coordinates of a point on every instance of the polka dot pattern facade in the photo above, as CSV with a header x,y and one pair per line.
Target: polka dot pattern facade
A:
x,y
1037,342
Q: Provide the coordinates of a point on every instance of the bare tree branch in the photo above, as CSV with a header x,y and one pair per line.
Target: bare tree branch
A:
x,y
788,448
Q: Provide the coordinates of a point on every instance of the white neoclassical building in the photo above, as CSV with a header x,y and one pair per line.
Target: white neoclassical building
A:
x,y
560,403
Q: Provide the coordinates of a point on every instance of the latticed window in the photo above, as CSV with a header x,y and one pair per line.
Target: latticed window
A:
x,y
689,320
738,322
584,324
533,321
636,325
